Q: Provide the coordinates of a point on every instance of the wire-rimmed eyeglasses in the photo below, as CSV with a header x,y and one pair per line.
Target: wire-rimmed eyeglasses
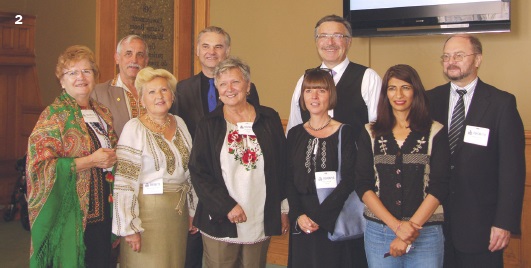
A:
x,y
456,57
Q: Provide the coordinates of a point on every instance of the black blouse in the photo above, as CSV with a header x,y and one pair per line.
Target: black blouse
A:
x,y
401,183
307,155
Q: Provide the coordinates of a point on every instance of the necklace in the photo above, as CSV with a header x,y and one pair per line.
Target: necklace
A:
x,y
317,129
160,127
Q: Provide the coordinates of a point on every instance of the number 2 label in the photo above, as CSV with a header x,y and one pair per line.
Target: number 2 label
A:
x,y
19,19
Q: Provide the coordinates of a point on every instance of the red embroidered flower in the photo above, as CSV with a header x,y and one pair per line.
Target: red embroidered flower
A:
x,y
110,198
234,136
231,151
109,177
249,156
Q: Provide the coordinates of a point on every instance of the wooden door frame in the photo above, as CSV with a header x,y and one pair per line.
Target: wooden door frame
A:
x,y
190,17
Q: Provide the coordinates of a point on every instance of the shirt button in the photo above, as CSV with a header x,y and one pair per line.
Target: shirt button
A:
x,y
398,185
398,203
398,171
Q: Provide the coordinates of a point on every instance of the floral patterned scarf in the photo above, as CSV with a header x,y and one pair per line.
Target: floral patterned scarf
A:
x,y
58,195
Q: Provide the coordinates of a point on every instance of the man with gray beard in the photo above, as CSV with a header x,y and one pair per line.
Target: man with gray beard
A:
x,y
487,162
120,94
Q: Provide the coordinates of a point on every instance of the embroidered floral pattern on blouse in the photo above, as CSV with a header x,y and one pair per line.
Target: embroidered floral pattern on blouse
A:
x,y
313,146
418,147
383,145
244,148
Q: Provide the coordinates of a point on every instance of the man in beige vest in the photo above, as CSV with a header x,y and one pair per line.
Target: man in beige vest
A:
x,y
120,94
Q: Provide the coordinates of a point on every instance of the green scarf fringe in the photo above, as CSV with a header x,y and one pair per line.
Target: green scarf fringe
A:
x,y
60,242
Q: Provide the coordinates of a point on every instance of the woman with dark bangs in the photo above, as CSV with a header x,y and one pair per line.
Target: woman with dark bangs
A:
x,y
313,159
402,174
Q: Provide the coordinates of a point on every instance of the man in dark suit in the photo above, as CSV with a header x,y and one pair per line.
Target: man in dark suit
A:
x,y
193,94
487,163
213,46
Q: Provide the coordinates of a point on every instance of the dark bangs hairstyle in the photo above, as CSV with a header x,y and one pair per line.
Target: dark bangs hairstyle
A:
x,y
319,78
419,115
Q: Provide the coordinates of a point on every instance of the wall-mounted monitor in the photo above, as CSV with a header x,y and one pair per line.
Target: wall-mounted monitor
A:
x,y
418,17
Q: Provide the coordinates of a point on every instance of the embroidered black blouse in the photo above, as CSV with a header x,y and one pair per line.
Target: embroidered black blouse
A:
x,y
404,175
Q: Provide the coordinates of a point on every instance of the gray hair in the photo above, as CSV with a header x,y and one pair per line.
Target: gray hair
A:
x,y
233,63
215,29
128,39
333,18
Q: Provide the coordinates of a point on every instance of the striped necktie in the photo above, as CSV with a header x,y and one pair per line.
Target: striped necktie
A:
x,y
458,121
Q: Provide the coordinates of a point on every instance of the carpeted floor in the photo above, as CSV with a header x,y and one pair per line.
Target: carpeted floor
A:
x,y
14,244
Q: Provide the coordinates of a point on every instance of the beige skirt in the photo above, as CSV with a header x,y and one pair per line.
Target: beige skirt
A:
x,y
163,242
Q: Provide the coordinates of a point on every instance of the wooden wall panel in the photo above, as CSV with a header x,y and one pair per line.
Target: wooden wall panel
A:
x,y
20,97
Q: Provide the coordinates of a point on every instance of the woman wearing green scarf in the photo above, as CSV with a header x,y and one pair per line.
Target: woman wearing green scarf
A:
x,y
70,156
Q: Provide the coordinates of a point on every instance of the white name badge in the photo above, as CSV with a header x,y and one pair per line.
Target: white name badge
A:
x,y
477,135
325,179
90,116
245,128
154,187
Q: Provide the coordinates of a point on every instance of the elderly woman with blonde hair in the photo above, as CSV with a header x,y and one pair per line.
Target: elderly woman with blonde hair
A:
x,y
153,195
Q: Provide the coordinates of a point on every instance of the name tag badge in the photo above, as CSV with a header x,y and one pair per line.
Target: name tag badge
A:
x,y
245,128
90,116
477,135
153,187
325,179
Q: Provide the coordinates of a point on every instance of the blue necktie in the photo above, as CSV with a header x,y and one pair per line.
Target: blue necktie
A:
x,y
211,95
458,120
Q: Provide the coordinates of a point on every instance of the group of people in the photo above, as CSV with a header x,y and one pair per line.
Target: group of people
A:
x,y
175,170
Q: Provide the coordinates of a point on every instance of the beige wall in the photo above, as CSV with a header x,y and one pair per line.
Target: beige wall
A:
x,y
59,24
275,38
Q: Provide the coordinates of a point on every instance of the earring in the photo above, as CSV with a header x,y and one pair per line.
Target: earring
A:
x,y
248,93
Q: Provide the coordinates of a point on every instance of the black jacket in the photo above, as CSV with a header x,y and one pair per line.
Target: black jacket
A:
x,y
205,169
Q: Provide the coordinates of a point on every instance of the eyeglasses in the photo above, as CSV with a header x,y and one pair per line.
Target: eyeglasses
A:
x,y
455,57
75,73
316,70
335,36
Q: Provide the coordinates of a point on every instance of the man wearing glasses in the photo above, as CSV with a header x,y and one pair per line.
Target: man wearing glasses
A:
x,y
486,137
358,87
358,90
119,94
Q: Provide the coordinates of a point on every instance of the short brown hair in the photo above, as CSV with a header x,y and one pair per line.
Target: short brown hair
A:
x,y
319,78
72,55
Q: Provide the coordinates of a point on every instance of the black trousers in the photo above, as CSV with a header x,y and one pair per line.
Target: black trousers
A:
x,y
194,251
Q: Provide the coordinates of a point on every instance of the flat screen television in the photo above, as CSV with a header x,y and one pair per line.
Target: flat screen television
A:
x,y
419,17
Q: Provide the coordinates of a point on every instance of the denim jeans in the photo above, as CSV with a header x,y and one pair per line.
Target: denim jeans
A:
x,y
428,248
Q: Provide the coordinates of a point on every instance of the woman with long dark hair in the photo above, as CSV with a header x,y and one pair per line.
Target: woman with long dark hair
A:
x,y
402,174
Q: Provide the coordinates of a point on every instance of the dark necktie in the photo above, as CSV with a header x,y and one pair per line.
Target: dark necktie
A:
x,y
458,121
211,95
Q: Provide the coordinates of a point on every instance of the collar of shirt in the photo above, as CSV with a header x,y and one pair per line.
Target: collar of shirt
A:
x,y
467,98
121,84
339,69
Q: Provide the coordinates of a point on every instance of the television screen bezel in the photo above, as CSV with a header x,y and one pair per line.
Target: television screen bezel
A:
x,y
406,22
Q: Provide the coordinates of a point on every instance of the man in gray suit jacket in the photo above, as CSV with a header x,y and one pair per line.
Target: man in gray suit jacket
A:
x,y
120,94
487,163
213,46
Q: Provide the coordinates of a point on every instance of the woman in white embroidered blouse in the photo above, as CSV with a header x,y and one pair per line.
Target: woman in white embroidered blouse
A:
x,y
237,168
153,195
